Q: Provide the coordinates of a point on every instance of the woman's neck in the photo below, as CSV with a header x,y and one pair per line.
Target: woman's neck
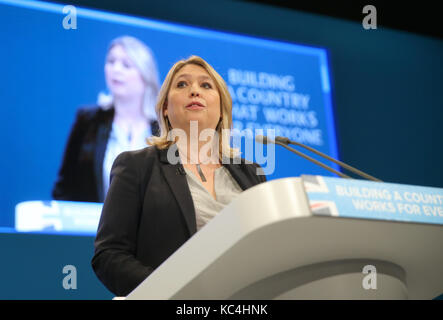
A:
x,y
199,152
129,111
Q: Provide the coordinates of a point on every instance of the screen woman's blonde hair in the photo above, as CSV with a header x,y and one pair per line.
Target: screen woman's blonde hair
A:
x,y
145,62
223,127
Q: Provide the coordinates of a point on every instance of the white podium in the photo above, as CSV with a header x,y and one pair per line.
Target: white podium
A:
x,y
267,245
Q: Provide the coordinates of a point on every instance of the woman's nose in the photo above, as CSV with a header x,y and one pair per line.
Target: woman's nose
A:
x,y
117,66
195,92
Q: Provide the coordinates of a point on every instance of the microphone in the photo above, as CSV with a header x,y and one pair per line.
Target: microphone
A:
x,y
283,141
180,171
262,139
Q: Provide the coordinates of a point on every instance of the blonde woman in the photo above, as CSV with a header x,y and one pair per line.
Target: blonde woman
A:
x,y
161,195
122,121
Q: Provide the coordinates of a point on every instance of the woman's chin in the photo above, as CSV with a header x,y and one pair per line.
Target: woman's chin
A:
x,y
119,93
198,123
202,121
124,93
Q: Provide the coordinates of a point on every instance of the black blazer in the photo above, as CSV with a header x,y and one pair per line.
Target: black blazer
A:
x,y
147,215
80,177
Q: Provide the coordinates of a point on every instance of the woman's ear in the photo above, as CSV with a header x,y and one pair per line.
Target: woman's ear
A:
x,y
165,109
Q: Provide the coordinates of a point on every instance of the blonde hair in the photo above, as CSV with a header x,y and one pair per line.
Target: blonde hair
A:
x,y
225,124
144,60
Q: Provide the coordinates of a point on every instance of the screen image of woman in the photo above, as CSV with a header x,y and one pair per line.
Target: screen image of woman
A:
x,y
121,121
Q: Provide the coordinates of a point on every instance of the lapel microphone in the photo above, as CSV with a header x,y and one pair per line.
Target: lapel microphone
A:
x,y
181,171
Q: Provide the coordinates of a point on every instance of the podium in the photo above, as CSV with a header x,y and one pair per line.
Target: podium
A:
x,y
269,243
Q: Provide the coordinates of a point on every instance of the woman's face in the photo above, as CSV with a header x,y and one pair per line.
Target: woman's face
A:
x,y
122,76
193,95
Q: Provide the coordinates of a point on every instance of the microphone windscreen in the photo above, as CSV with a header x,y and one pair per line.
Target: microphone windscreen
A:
x,y
261,139
283,140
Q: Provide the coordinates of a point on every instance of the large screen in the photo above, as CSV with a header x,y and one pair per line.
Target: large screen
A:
x,y
53,64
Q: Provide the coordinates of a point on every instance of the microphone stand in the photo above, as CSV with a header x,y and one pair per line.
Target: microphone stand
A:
x,y
301,154
285,141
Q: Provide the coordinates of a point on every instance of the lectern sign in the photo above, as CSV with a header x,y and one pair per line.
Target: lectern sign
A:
x,y
373,200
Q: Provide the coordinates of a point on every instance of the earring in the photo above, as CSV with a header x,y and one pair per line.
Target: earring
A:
x,y
218,124
168,123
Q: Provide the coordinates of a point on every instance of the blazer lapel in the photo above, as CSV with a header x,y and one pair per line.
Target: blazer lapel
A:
x,y
176,178
239,175
103,131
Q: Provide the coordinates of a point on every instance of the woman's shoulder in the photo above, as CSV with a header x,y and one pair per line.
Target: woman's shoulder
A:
x,y
140,156
245,165
94,112
138,163
255,167
240,161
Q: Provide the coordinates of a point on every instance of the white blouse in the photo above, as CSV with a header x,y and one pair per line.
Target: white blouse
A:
x,y
206,207
119,142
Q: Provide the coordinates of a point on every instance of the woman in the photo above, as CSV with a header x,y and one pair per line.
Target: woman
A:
x,y
161,195
122,121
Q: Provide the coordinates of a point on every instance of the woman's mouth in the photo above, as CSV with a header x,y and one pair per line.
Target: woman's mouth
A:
x,y
117,82
195,105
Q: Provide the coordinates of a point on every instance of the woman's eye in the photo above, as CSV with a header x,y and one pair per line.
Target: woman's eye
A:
x,y
126,64
181,84
206,85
